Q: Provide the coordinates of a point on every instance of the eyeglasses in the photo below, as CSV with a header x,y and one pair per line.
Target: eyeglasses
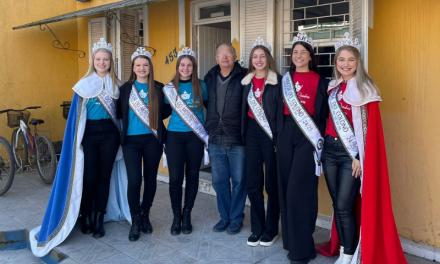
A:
x,y
225,54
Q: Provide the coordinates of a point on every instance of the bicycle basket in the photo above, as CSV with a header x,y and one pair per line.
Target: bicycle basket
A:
x,y
13,118
66,108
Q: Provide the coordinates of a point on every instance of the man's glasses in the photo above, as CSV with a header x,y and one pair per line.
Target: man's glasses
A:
x,y
225,55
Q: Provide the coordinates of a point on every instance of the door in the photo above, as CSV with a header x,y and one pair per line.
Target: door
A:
x,y
209,38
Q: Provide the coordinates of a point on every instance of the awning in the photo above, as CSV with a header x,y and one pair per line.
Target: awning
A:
x,y
91,11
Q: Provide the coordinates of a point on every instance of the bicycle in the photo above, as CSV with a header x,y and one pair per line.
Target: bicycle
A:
x,y
7,166
40,148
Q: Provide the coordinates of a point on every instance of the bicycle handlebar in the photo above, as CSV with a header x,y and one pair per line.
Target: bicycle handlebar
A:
x,y
30,107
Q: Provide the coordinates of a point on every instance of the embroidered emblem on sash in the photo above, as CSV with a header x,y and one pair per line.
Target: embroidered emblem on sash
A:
x,y
140,109
258,112
187,114
303,119
257,92
342,124
109,106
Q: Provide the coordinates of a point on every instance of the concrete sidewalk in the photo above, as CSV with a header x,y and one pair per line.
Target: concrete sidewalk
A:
x,y
23,206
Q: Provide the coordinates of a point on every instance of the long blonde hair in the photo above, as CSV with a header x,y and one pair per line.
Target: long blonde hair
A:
x,y
91,70
363,80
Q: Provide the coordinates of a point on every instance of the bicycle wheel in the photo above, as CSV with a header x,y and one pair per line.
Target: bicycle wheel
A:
x,y
7,166
20,149
46,159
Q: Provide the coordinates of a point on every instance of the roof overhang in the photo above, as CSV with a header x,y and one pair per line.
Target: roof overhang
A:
x,y
91,11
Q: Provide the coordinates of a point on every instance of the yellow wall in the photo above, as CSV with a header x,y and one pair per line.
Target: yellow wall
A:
x,y
404,61
33,72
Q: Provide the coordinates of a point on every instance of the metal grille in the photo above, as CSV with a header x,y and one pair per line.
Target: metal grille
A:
x,y
325,21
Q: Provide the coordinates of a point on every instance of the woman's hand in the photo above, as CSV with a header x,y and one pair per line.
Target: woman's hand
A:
x,y
356,168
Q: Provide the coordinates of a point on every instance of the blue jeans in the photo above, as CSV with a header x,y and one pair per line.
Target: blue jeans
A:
x,y
228,166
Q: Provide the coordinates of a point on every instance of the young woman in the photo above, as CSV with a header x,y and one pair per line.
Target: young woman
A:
x,y
87,163
354,150
141,107
186,139
298,149
262,109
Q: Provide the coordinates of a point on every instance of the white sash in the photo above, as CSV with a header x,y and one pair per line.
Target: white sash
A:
x,y
140,108
342,125
109,105
187,115
303,120
258,112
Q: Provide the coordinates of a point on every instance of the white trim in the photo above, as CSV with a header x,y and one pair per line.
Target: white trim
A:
x,y
182,39
235,20
279,35
146,26
365,32
270,28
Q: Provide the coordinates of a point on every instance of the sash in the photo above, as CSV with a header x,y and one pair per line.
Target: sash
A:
x,y
303,120
187,115
258,112
140,109
109,105
342,125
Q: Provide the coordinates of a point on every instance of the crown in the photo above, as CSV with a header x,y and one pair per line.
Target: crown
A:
x,y
302,37
347,41
185,95
141,52
186,51
101,44
260,42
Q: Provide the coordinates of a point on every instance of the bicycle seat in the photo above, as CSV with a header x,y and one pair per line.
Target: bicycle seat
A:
x,y
36,122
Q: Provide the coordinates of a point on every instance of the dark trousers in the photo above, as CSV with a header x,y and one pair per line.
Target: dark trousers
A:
x,y
298,187
259,150
184,154
343,188
100,145
138,150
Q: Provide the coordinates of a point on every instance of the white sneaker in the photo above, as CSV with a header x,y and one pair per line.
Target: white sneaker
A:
x,y
346,259
341,253
267,241
253,240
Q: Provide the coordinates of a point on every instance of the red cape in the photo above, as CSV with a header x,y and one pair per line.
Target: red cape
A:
x,y
380,241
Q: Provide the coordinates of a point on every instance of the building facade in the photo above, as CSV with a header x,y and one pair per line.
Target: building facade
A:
x,y
400,48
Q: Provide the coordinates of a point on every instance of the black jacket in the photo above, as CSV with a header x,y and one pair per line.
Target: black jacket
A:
x,y
122,109
321,105
229,125
272,103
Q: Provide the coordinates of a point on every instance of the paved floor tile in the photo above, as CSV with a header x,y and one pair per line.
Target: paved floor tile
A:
x,y
18,256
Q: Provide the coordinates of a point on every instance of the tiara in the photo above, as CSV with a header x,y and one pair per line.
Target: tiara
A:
x,y
101,44
302,37
347,41
260,42
186,51
141,52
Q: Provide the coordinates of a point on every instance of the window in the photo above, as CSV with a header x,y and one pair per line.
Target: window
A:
x,y
325,21
212,10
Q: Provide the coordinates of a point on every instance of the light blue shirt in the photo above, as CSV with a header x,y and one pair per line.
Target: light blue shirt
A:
x,y
95,111
135,125
176,124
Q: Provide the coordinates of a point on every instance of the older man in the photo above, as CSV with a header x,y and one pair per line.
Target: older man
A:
x,y
226,150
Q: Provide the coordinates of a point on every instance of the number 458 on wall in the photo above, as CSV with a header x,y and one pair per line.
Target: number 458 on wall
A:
x,y
171,56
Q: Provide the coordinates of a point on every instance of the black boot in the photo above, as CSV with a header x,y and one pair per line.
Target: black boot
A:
x,y
176,227
98,224
86,224
147,228
135,228
186,221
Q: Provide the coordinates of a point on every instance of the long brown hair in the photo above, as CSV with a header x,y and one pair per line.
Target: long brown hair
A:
x,y
91,70
153,102
270,65
363,81
196,85
313,63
